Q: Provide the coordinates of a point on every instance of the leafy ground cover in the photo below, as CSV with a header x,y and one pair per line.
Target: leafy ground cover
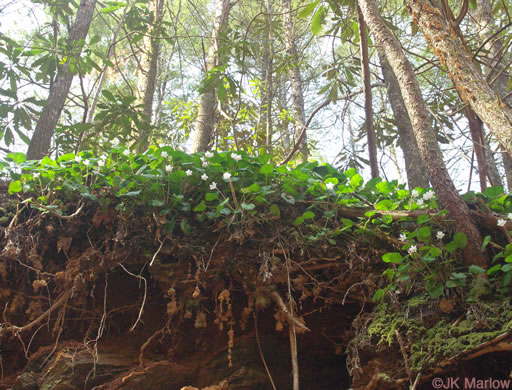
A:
x,y
215,238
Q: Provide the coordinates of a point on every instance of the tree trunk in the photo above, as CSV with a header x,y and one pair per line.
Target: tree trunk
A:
x,y
468,80
368,104
483,22
476,130
425,135
147,79
295,78
416,174
269,92
205,122
45,128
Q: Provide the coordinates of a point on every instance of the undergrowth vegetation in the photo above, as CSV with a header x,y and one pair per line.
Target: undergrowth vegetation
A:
x,y
183,189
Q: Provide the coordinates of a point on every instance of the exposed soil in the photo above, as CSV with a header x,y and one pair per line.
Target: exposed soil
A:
x,y
109,300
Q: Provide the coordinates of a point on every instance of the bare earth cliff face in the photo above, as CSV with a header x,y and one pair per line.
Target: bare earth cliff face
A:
x,y
108,300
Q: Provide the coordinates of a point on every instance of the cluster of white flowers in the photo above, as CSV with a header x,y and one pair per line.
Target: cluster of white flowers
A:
x,y
168,168
164,154
415,193
208,154
428,195
420,202
126,152
236,157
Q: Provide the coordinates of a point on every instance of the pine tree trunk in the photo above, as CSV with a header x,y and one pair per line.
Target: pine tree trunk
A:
x,y
295,79
425,135
416,174
470,84
368,104
205,122
147,79
483,22
45,128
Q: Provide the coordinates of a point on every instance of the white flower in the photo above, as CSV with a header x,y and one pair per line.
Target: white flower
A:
x,y
429,195
440,235
501,222
403,236
415,193
204,176
236,157
202,158
101,163
103,156
115,141
168,168
87,162
226,176
509,216
126,152
329,186
213,185
164,154
413,249
78,159
209,155
205,164
36,174
188,172
420,202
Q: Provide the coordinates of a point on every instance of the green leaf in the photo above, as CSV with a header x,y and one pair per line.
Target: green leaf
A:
x,y
486,241
461,240
424,233
248,206
356,180
384,205
378,295
14,187
185,227
254,188
472,4
318,20
475,270
436,291
17,157
288,198
493,191
392,257
274,210
211,196
200,207
267,169
422,219
308,9
494,269
308,215
506,267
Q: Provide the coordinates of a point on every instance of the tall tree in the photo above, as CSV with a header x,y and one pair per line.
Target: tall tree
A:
x,y
368,104
205,122
148,74
45,128
295,79
416,175
494,69
425,135
468,80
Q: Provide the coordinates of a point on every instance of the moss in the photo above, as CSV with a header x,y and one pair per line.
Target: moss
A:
x,y
431,344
